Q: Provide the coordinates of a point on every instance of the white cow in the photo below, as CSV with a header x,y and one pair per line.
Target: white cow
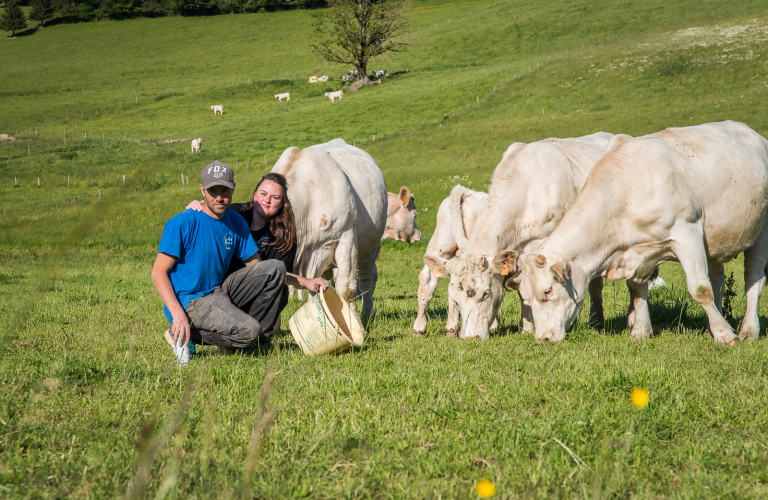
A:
x,y
196,145
400,226
401,217
286,96
312,79
218,109
698,195
443,244
323,78
339,201
532,187
379,74
332,95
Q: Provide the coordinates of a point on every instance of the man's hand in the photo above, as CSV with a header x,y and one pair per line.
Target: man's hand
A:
x,y
180,328
314,284
196,205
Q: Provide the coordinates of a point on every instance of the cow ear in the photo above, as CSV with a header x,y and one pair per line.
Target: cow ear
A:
x,y
561,272
405,196
436,265
513,282
505,262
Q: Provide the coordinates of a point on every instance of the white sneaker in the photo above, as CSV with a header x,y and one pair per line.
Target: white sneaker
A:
x,y
181,352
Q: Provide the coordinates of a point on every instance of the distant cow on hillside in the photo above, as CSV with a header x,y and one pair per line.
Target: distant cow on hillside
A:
x,y
379,74
312,79
286,96
323,78
218,109
333,95
196,145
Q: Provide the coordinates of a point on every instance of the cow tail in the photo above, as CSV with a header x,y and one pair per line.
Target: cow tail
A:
x,y
458,194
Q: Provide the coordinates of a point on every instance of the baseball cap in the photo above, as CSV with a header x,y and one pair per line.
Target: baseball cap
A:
x,y
217,174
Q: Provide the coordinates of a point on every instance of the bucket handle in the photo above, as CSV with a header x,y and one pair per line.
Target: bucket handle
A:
x,y
339,331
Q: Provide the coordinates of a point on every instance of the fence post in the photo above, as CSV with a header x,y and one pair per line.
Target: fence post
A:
x,y
236,164
4,212
15,182
38,182
123,180
182,180
67,181
118,242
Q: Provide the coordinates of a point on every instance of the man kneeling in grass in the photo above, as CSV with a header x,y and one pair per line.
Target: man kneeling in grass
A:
x,y
189,274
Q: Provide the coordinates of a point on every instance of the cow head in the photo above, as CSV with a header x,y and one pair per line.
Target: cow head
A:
x,y
555,291
476,286
401,217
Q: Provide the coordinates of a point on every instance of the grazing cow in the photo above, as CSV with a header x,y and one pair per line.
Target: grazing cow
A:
x,y
313,79
532,187
352,73
196,145
698,195
443,244
401,217
379,74
332,95
218,109
323,78
286,96
339,202
345,78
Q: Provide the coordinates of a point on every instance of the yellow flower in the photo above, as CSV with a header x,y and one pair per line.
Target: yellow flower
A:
x,y
485,488
639,397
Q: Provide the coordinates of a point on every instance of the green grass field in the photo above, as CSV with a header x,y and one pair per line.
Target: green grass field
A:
x,y
402,417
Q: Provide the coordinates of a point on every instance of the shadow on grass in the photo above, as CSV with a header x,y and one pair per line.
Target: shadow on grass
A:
x,y
26,32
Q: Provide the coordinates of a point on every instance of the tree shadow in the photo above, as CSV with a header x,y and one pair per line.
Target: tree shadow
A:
x,y
27,32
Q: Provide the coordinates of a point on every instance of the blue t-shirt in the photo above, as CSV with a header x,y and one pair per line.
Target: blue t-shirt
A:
x,y
203,247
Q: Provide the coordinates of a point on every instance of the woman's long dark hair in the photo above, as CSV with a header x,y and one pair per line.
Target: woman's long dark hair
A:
x,y
282,225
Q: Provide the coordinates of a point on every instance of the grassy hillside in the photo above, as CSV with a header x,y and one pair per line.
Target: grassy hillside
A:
x,y
92,400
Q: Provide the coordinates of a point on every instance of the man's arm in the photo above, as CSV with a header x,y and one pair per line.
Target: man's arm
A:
x,y
163,265
253,259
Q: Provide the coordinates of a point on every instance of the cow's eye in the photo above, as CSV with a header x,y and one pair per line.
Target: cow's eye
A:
x,y
486,294
547,291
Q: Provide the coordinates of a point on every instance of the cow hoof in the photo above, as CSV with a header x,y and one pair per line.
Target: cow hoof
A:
x,y
451,334
734,342
478,337
418,334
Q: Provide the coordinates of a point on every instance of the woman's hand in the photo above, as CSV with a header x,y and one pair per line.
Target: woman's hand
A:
x,y
196,205
314,284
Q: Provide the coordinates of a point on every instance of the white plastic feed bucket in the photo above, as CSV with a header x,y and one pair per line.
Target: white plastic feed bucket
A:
x,y
325,324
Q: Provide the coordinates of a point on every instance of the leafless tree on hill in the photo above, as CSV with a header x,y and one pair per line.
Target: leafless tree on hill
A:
x,y
355,31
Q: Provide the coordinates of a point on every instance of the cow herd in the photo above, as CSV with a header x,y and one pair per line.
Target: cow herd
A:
x,y
560,215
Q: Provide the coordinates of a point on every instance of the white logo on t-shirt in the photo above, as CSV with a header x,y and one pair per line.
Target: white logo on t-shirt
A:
x,y
229,241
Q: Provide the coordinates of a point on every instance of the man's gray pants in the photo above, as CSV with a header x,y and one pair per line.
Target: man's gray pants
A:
x,y
243,310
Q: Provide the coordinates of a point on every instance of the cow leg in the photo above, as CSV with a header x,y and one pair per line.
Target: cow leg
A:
x,y
346,260
717,278
368,278
427,287
754,281
452,325
641,319
526,316
688,246
596,318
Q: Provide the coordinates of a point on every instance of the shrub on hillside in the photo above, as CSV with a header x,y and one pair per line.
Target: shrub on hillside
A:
x,y
41,11
13,18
